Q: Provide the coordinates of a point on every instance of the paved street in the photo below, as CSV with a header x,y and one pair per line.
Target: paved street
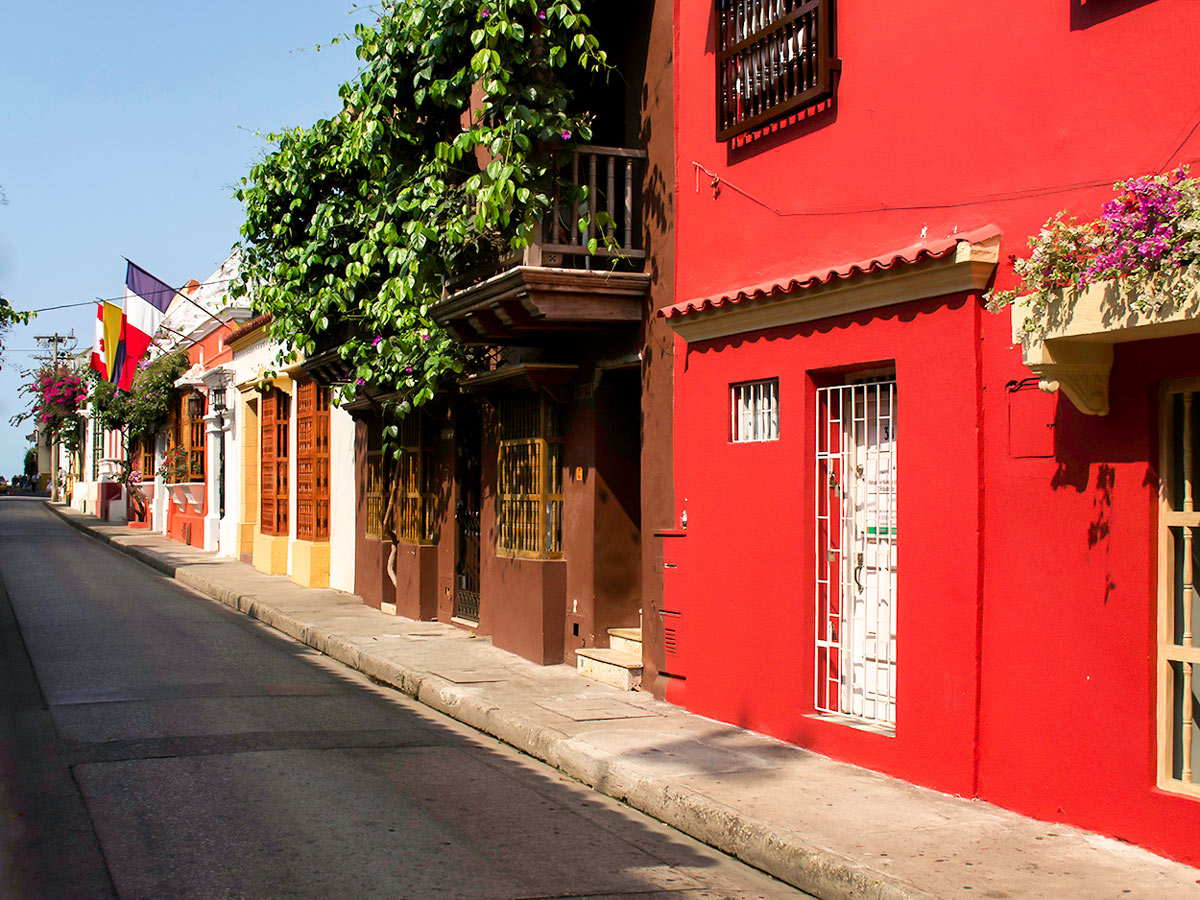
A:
x,y
154,744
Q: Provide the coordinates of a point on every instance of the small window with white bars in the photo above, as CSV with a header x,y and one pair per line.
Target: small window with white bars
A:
x,y
754,411
856,551
1178,601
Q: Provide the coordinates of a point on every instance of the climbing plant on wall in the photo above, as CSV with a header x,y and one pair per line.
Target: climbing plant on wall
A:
x,y
446,151
1145,242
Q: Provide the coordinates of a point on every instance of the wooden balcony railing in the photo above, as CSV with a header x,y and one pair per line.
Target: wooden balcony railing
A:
x,y
613,178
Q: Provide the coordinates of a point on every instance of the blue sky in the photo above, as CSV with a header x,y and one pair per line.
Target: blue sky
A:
x,y
123,129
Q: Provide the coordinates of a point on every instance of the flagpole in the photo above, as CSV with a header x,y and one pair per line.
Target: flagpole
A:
x,y
179,334
180,293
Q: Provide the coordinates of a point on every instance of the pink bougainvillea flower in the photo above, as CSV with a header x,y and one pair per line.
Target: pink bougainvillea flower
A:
x,y
566,135
378,340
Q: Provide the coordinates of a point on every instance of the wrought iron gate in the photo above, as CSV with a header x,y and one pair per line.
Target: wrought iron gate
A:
x,y
856,547
468,465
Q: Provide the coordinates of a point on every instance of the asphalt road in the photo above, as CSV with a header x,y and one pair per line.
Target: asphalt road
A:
x,y
154,744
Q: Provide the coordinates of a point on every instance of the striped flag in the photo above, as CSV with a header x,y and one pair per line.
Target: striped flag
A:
x,y
108,347
146,302
114,346
98,363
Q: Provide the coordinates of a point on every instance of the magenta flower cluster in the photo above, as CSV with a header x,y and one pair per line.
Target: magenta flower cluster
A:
x,y
58,394
1139,229
1147,239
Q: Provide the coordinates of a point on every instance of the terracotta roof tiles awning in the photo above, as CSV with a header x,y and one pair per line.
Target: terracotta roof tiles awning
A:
x,y
979,246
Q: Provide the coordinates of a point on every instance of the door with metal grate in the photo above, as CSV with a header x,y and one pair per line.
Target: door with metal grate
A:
x,y
856,551
469,483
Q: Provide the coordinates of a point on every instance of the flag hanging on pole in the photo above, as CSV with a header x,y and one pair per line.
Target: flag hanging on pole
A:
x,y
99,364
146,302
114,348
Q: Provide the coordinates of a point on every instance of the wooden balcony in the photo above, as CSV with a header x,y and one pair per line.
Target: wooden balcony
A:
x,y
569,278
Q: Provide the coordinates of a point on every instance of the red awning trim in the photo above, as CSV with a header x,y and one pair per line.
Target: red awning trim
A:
x,y
259,321
908,256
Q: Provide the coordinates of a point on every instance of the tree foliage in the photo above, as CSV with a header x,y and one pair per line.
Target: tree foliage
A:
x,y
1146,243
143,410
353,222
57,393
10,317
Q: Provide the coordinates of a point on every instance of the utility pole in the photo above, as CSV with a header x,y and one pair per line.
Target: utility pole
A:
x,y
52,341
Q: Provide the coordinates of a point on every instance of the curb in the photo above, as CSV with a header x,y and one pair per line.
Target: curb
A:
x,y
824,873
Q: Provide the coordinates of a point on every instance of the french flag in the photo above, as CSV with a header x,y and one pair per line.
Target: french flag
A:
x,y
146,302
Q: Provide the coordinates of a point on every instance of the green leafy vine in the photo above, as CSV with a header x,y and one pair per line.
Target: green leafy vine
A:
x,y
1146,243
445,155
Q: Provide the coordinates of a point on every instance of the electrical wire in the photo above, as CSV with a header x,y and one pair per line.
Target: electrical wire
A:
x,y
1025,194
1028,193
122,297
1187,137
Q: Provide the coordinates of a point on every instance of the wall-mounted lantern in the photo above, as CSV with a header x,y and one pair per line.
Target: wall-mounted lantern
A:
x,y
195,405
216,397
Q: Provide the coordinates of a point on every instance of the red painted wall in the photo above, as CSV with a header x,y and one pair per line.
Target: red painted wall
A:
x,y
187,526
1026,630
748,560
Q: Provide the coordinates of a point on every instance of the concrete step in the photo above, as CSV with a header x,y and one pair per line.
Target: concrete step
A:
x,y
618,668
627,639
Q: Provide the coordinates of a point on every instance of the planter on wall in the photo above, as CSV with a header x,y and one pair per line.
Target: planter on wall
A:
x,y
1071,347
187,493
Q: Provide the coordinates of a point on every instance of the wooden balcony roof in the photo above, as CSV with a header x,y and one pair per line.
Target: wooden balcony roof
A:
x,y
526,303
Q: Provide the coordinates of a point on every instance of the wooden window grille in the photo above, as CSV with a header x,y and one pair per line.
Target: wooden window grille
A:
x,y
273,460
141,451
192,414
373,495
312,461
530,476
774,58
187,436
1178,603
97,444
856,585
754,411
147,457
373,492
416,487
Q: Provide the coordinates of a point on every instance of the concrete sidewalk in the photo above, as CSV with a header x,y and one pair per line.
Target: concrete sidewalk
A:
x,y
828,828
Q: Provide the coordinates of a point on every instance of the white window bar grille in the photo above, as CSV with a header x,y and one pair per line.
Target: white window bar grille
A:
x,y
754,411
1179,604
856,551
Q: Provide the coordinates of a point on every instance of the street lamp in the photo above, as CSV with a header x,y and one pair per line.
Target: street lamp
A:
x,y
195,405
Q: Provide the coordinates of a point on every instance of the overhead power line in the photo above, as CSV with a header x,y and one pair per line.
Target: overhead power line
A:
x,y
122,297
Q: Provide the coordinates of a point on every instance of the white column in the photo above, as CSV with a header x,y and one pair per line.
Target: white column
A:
x,y
341,500
228,537
293,429
214,437
160,486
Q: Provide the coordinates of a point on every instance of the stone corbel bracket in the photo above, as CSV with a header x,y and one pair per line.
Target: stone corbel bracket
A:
x,y
1079,370
1069,346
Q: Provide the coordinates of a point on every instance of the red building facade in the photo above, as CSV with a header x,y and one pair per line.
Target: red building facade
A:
x,y
187,440
897,550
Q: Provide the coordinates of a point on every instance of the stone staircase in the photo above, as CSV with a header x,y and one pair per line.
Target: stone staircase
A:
x,y
619,665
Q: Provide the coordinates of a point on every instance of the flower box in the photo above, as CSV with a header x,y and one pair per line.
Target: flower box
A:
x,y
147,488
1068,343
187,493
